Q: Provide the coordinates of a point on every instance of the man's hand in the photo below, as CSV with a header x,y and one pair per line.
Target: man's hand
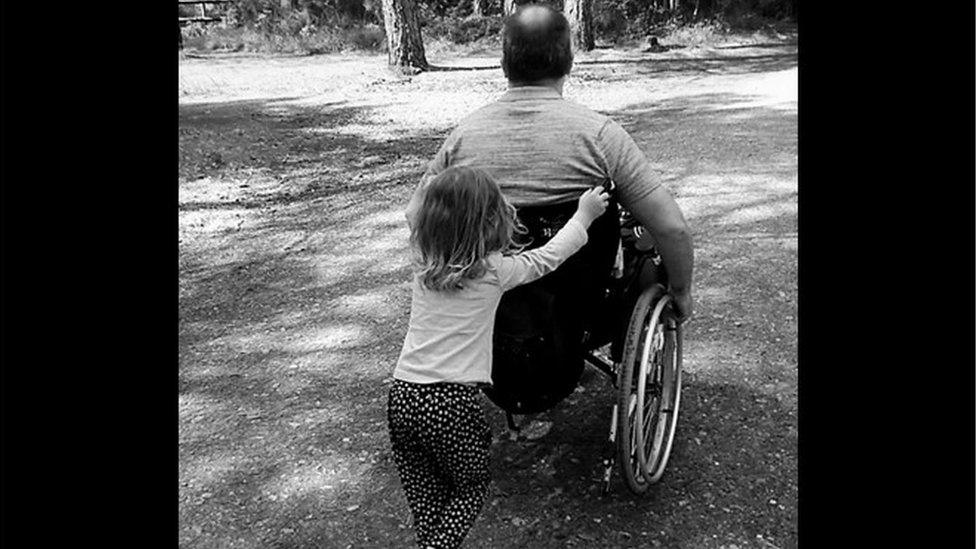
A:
x,y
682,305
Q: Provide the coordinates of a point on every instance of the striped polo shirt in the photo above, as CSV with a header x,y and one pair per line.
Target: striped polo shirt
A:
x,y
546,150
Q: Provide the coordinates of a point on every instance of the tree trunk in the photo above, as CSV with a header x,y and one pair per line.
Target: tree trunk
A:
x,y
405,45
580,16
479,7
509,6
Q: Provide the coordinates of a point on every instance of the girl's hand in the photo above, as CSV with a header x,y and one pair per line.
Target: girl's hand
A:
x,y
592,204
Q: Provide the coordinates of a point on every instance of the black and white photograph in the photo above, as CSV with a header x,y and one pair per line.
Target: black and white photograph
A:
x,y
488,274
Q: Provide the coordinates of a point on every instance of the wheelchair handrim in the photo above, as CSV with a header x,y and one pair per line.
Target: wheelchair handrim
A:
x,y
672,421
648,462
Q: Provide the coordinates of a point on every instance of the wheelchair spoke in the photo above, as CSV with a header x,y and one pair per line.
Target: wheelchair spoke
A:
x,y
634,425
649,426
634,449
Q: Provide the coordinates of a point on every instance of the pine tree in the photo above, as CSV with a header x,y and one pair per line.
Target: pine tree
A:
x,y
580,16
405,45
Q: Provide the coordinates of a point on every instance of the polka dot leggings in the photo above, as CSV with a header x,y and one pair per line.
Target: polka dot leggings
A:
x,y
440,445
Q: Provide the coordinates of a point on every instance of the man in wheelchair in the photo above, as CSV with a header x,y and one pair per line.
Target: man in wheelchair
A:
x,y
544,151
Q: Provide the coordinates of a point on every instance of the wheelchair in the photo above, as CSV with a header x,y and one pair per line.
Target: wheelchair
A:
x,y
612,294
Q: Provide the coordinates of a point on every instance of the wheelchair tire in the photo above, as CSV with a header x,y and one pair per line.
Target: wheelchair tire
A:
x,y
649,390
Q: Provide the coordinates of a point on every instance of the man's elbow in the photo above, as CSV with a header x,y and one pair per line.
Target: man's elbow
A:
x,y
675,232
410,213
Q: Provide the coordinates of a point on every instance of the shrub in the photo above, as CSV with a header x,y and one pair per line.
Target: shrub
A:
x,y
466,30
310,40
641,17
696,33
368,38
609,22
321,26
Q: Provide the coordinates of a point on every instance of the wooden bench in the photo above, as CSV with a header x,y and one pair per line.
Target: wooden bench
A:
x,y
202,18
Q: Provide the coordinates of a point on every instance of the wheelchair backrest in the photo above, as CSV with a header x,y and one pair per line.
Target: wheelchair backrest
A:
x,y
539,327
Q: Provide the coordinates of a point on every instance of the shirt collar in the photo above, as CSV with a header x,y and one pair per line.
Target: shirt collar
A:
x,y
522,93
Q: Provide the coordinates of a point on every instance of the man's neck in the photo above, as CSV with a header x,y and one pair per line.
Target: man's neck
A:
x,y
554,83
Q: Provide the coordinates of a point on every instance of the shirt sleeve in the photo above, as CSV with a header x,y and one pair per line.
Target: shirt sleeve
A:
x,y
441,160
522,268
627,164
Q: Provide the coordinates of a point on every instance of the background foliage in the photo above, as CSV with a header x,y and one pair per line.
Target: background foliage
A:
x,y
321,26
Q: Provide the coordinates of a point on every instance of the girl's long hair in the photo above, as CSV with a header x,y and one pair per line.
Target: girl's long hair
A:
x,y
463,219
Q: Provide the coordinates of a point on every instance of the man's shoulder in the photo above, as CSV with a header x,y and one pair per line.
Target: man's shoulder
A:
x,y
485,111
578,109
565,111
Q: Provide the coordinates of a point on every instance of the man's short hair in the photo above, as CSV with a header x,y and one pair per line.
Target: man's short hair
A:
x,y
536,48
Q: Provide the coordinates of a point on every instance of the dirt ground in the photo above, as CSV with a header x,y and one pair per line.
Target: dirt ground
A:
x,y
293,302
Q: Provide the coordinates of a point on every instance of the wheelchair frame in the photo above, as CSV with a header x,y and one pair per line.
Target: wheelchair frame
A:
x,y
647,378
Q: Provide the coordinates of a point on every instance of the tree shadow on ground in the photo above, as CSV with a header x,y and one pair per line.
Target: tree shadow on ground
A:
x,y
282,136
283,320
765,45
448,68
293,304
651,65
723,154
734,449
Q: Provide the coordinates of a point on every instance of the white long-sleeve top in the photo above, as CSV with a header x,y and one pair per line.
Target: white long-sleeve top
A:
x,y
449,338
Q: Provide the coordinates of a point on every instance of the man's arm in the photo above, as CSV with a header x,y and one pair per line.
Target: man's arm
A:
x,y
413,207
654,207
439,163
661,215
415,201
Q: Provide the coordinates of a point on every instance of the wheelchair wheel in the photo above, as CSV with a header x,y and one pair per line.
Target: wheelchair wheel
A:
x,y
649,390
660,395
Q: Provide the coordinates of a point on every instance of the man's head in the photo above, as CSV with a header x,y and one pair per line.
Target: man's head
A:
x,y
536,45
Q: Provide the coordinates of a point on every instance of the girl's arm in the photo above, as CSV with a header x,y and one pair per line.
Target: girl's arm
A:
x,y
525,267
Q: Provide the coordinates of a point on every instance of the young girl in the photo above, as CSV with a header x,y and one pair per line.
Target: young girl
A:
x,y
462,236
